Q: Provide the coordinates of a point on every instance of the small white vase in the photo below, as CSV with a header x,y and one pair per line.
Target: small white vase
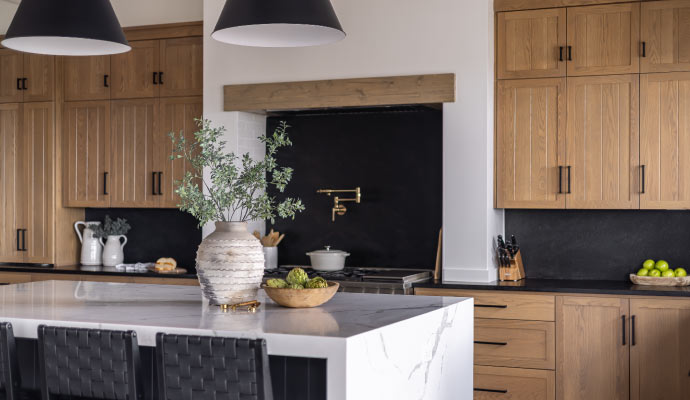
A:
x,y
113,250
91,248
230,264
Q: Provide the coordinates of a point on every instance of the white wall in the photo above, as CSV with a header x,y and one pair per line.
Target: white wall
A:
x,y
132,12
400,37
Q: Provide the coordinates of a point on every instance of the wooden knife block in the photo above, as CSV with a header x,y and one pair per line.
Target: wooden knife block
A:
x,y
516,270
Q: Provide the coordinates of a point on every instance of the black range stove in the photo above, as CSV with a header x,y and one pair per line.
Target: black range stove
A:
x,y
364,279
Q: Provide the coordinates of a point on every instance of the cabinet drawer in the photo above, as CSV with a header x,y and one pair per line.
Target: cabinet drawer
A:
x,y
502,305
508,343
10,277
496,383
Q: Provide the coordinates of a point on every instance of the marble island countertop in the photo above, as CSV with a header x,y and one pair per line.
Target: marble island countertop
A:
x,y
398,345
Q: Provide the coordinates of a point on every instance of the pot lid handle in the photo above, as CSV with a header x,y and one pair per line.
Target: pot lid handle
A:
x,y
328,248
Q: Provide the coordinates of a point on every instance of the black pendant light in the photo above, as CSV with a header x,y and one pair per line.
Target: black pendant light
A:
x,y
278,23
66,28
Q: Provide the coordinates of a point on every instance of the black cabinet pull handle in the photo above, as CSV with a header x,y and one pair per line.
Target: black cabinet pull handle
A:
x,y
24,239
105,183
24,80
642,177
560,179
105,81
491,343
19,83
644,49
155,78
623,323
153,183
632,330
490,390
560,54
19,247
570,53
160,178
160,77
568,168
491,306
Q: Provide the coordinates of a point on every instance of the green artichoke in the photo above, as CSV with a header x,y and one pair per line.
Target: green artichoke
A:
x,y
297,276
316,283
296,286
277,283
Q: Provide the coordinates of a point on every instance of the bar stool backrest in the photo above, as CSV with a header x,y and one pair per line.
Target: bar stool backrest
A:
x,y
9,372
93,363
199,367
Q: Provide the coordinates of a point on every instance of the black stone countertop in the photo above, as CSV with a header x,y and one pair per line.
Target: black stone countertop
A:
x,y
88,270
567,286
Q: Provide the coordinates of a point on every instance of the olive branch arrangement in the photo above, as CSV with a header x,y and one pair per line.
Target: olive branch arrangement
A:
x,y
234,188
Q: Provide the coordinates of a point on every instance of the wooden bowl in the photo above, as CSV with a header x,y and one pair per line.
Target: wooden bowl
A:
x,y
301,298
660,281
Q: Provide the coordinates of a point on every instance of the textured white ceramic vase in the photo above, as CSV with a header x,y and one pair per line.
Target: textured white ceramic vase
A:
x,y
230,264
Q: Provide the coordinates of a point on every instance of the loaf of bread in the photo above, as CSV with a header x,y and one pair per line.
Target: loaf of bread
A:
x,y
166,264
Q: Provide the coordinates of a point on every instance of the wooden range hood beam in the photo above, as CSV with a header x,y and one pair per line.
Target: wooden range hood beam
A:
x,y
336,93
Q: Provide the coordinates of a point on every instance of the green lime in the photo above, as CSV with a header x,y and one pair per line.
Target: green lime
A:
x,y
661,265
648,264
680,272
668,274
655,273
643,272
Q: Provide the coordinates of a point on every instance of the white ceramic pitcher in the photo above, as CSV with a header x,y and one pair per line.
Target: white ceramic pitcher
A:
x,y
113,250
91,248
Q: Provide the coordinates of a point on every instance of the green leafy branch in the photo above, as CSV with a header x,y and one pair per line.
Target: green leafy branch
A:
x,y
235,187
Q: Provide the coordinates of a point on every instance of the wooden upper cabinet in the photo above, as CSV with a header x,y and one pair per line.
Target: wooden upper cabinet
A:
x,y
665,140
592,348
602,142
660,354
133,72
665,36
87,78
177,116
39,134
181,71
11,73
39,75
530,143
12,182
531,44
133,129
603,39
86,154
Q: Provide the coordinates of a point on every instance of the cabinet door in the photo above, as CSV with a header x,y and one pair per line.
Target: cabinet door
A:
x,y
665,140
87,78
40,156
177,116
133,128
603,39
181,67
592,348
12,183
531,44
86,152
11,73
665,36
530,143
660,352
39,71
603,142
133,72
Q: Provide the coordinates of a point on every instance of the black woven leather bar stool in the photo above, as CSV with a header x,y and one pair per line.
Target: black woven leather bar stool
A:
x,y
90,363
9,372
210,368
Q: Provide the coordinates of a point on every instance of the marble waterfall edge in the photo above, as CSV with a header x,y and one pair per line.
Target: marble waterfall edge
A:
x,y
230,264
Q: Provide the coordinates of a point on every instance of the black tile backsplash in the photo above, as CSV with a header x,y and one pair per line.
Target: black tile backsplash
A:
x,y
156,233
598,244
394,155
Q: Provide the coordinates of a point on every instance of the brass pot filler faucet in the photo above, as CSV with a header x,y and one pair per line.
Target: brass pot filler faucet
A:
x,y
338,207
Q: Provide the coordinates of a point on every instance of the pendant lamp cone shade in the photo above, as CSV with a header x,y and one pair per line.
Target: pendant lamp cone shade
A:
x,y
66,28
278,23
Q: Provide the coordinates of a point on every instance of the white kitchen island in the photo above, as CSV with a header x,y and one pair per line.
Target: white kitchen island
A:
x,y
376,346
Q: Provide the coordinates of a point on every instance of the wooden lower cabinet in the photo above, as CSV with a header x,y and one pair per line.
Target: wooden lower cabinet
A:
x,y
592,350
511,343
496,383
660,351
22,277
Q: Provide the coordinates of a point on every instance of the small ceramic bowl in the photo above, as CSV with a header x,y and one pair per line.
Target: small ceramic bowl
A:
x,y
302,298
